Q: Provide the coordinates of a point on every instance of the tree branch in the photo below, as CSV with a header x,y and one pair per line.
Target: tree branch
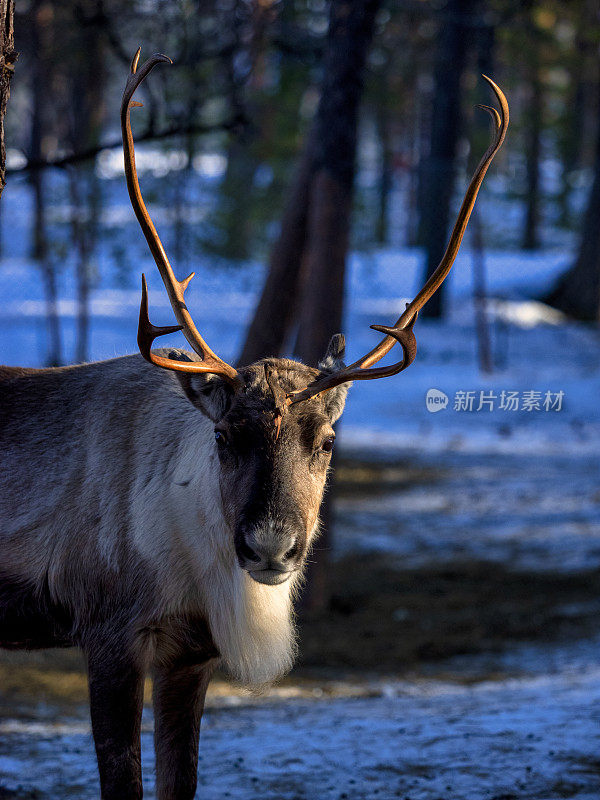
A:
x,y
234,125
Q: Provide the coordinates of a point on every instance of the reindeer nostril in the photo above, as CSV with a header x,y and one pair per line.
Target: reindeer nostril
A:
x,y
248,553
292,552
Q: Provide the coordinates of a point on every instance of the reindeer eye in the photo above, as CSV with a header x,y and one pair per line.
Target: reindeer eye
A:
x,y
220,438
327,445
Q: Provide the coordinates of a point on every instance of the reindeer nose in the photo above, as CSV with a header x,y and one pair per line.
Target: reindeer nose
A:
x,y
247,553
278,555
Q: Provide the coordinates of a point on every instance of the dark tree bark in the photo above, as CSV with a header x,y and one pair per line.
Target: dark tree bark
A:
x,y
85,201
530,238
234,212
40,41
383,123
87,80
234,206
308,258
7,60
276,309
275,312
436,183
578,121
486,41
350,32
40,252
328,221
577,292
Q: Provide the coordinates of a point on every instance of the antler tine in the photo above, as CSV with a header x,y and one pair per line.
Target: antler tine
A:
x,y
175,289
402,331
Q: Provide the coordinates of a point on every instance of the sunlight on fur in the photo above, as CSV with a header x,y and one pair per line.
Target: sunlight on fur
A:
x,y
253,627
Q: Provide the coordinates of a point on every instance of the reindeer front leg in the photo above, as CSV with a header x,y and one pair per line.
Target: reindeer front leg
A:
x,y
116,683
179,692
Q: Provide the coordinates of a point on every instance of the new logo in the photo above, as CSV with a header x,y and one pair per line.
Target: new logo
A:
x,y
435,400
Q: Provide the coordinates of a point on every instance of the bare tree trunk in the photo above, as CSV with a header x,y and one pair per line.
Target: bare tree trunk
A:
x,y
417,146
530,239
382,120
236,190
233,206
276,308
40,247
87,101
328,223
84,191
54,346
438,171
350,32
7,59
577,292
576,107
40,252
486,41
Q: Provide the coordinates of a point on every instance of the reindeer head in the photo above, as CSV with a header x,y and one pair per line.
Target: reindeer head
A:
x,y
273,419
272,458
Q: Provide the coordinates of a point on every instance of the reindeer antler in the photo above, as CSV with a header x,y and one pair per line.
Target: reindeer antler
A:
x,y
402,331
362,369
175,289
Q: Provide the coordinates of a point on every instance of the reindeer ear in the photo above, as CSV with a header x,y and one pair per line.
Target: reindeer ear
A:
x,y
332,361
209,393
334,357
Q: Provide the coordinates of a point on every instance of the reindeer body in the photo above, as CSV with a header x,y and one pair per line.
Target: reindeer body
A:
x,y
114,538
127,489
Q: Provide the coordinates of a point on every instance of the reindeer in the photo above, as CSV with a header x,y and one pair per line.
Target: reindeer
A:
x,y
159,519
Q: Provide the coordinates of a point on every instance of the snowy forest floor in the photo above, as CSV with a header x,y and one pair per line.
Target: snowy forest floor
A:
x,y
460,656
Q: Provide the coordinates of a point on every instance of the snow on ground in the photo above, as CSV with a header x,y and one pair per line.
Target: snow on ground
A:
x,y
529,738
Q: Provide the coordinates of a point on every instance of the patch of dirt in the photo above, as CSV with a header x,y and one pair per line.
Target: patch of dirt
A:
x,y
384,620
380,621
